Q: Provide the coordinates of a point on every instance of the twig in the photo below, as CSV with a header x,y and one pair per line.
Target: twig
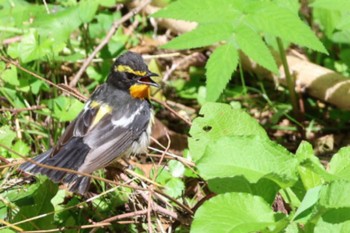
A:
x,y
78,96
164,104
105,41
17,110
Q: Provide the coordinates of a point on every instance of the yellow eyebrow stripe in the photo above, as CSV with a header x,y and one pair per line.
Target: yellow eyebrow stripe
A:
x,y
128,69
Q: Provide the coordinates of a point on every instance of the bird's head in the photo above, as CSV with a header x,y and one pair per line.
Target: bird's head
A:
x,y
129,72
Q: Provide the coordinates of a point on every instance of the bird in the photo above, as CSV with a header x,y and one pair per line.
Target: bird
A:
x,y
115,122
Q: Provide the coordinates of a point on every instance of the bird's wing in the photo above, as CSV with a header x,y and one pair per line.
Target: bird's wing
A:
x,y
114,134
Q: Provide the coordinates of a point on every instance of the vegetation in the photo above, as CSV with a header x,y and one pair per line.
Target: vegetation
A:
x,y
232,151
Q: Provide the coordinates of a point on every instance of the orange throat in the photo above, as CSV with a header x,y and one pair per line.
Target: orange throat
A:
x,y
140,91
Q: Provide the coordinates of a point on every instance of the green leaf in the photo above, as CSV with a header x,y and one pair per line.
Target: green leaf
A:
x,y
174,187
219,68
281,22
340,164
203,11
220,120
335,195
264,188
309,200
41,205
340,5
176,168
20,147
323,226
233,212
252,45
6,136
250,156
203,35
66,108
9,75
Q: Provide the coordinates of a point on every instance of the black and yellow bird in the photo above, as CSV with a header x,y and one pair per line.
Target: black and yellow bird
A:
x,y
115,121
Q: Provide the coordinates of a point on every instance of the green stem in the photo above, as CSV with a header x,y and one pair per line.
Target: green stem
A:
x,y
290,80
242,77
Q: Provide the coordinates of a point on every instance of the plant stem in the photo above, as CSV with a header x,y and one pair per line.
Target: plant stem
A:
x,y
290,80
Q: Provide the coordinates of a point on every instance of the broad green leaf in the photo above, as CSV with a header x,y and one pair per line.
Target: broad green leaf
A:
x,y
280,22
250,156
335,195
264,188
219,68
323,226
340,164
233,212
194,39
220,120
253,46
340,5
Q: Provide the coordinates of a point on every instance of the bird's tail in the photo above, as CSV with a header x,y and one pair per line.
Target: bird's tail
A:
x,y
70,156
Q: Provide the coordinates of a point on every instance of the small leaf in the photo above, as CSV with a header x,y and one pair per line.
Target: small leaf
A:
x,y
174,187
233,212
6,136
219,68
176,168
21,148
9,75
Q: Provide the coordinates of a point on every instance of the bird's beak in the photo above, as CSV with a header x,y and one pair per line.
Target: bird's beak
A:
x,y
147,79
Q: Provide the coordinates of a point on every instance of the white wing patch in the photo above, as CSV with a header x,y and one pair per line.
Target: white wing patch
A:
x,y
125,121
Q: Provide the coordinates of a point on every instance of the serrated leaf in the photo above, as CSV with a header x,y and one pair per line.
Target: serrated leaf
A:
x,y
249,156
253,46
280,22
220,120
203,35
323,226
219,68
233,212
203,11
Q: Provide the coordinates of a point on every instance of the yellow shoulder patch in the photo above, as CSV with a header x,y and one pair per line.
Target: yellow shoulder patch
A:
x,y
128,69
104,110
140,91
